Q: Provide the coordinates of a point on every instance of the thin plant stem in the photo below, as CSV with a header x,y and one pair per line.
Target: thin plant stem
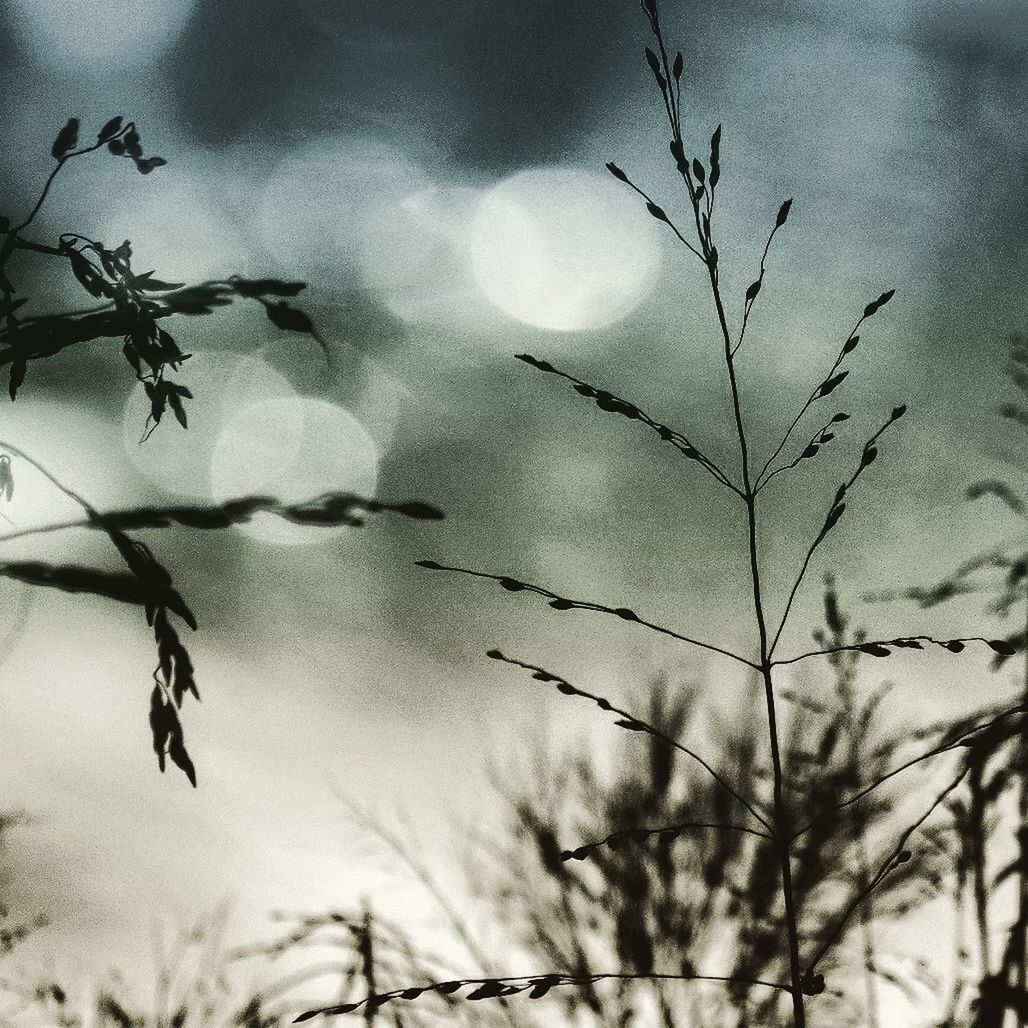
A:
x,y
564,603
935,751
896,858
781,840
632,723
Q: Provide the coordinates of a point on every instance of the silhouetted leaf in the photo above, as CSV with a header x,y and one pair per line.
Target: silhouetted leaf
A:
x,y
657,212
89,278
175,401
149,284
133,147
616,172
74,578
874,649
6,477
66,139
831,384
255,287
17,376
181,759
654,62
783,214
1002,492
289,318
110,129
147,164
876,305
1003,647
159,724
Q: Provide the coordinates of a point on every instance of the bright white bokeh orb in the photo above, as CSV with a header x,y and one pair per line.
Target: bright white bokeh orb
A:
x,y
292,449
312,206
415,258
76,446
98,35
564,249
223,385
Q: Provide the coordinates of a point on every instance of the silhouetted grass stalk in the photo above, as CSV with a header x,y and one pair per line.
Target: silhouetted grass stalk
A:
x,y
700,183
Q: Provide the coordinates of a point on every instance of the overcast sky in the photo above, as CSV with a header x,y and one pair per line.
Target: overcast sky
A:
x,y
434,171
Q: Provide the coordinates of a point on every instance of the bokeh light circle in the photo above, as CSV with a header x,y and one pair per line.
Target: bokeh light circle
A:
x,y
563,249
313,204
414,257
98,35
294,450
223,385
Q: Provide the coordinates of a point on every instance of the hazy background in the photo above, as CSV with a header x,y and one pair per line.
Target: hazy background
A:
x,y
380,152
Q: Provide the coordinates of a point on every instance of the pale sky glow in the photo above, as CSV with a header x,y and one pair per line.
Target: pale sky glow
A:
x,y
100,35
563,249
434,172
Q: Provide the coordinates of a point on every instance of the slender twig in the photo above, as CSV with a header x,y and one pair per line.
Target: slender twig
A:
x,y
883,647
559,602
818,439
61,161
630,721
898,856
616,404
432,887
328,508
838,506
539,984
750,301
963,740
846,348
666,832
664,218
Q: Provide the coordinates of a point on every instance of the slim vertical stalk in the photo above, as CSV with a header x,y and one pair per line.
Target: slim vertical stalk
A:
x,y
1019,931
781,828
365,947
976,814
867,939
668,76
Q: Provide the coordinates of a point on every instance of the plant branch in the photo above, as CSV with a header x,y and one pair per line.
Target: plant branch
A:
x,y
669,832
629,722
754,290
883,647
965,739
615,404
896,858
558,602
838,507
495,988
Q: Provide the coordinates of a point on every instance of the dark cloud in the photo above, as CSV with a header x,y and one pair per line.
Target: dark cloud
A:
x,y
502,84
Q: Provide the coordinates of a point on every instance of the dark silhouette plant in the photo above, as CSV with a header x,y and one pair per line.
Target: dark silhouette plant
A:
x,y
138,309
978,819
661,885
786,824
